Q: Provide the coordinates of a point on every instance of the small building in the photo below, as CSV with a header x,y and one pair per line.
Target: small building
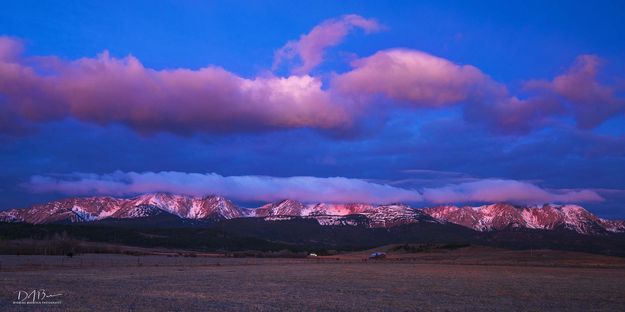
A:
x,y
377,255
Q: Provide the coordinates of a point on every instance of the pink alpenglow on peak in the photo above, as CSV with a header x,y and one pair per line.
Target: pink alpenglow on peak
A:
x,y
492,217
545,217
99,208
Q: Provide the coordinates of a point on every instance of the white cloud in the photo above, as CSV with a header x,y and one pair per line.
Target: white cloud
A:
x,y
302,188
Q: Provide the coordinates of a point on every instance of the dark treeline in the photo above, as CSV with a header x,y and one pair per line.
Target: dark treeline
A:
x,y
296,236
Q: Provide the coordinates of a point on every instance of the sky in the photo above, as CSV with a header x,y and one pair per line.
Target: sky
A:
x,y
421,102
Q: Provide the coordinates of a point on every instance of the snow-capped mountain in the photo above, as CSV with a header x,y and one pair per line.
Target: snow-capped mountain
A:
x,y
282,208
71,209
483,218
210,207
546,217
98,208
336,214
296,209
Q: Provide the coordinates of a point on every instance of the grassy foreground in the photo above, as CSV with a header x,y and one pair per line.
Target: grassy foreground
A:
x,y
472,278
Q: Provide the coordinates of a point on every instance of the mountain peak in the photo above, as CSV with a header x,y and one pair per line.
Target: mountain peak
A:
x,y
285,207
547,217
492,217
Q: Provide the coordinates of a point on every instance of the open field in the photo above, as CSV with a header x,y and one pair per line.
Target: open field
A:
x,y
473,278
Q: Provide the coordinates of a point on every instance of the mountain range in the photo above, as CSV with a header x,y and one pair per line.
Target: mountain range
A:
x,y
486,218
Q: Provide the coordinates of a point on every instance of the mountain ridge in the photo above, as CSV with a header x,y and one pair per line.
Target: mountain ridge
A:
x,y
483,218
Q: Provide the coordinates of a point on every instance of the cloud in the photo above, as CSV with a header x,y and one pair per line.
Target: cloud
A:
x,y
420,80
512,115
576,93
497,190
416,78
246,188
105,90
302,188
310,47
10,48
591,101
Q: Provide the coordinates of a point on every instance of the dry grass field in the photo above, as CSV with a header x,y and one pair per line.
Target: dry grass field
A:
x,y
467,279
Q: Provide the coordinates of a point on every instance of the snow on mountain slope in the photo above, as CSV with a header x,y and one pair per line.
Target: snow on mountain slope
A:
x,y
214,207
613,226
72,210
98,208
335,214
138,211
323,209
395,215
282,208
218,207
547,217
294,208
483,218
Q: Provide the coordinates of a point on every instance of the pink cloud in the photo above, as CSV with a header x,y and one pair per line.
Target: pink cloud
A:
x,y
106,90
497,190
420,80
415,78
591,101
310,47
577,93
302,188
10,48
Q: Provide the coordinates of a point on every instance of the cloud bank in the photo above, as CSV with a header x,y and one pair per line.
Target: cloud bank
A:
x,y
245,188
106,90
302,188
498,190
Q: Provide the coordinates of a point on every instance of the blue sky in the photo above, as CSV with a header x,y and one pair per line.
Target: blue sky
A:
x,y
392,139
